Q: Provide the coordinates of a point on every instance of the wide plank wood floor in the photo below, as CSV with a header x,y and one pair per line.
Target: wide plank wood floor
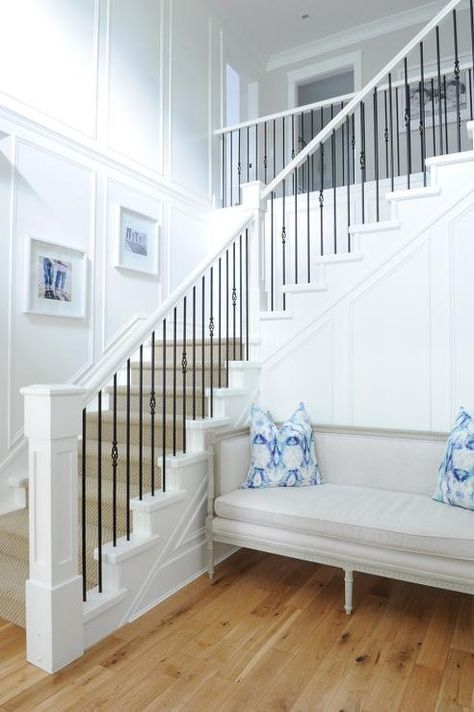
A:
x,y
269,634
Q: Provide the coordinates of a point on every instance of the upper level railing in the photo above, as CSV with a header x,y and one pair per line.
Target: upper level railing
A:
x,y
415,107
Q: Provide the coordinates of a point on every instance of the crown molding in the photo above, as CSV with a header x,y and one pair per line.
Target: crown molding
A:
x,y
357,35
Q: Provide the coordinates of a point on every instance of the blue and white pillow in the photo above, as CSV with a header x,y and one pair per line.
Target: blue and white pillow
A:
x,y
456,473
281,457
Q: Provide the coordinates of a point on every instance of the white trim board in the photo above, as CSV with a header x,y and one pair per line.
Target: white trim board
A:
x,y
356,35
352,60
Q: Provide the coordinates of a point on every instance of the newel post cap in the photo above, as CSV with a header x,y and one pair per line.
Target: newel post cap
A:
x,y
252,195
52,411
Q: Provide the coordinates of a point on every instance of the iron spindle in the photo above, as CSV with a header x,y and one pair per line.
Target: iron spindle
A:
x,y
194,353
227,316
256,151
127,504
422,114
407,122
265,153
234,304
247,339
272,224
239,163
445,90
333,178
99,491
471,18
349,245
184,369
203,370
223,137
114,458
175,326
211,340
140,426
390,123
274,148
163,426
249,165
470,93
231,186
440,104
457,78
219,322
362,160
293,150
353,145
433,122
321,198
312,155
397,119
84,505
386,134
376,154
240,297
308,223
152,415
296,225
283,229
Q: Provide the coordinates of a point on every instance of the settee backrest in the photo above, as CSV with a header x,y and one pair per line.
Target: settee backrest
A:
x,y
405,461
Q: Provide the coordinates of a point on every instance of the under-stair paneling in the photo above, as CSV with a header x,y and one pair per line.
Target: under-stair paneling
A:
x,y
48,349
389,348
61,83
128,294
135,77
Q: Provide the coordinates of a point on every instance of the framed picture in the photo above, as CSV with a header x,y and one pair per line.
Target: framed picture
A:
x,y
137,245
56,279
431,93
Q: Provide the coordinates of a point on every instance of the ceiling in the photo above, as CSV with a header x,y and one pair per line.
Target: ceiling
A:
x,y
273,26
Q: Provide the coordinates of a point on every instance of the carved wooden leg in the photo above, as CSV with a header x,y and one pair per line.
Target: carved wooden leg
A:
x,y
348,585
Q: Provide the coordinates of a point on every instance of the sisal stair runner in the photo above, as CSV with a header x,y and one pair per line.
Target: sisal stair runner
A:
x,y
14,525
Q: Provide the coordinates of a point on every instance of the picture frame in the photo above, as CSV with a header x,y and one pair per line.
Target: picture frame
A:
x,y
137,242
55,279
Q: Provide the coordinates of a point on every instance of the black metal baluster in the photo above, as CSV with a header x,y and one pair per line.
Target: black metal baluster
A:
x,y
140,426
433,122
457,78
227,315
239,162
349,240
163,425
234,305
203,346
422,114
308,220
470,94
312,155
343,149
390,124
272,225
265,153
445,94
211,342
362,160
293,150
249,165
321,198
152,415
295,173
184,369
353,146
256,151
128,449
407,122
274,148
333,178
84,505
247,338
283,229
240,296
223,142
471,18
219,322
376,154
397,118
386,134
114,458
194,353
99,491
440,100
175,326
231,177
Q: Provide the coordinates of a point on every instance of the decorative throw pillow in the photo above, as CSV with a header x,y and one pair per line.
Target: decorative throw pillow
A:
x,y
282,457
456,473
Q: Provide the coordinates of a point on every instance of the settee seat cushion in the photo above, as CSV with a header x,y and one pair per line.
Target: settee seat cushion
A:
x,y
394,520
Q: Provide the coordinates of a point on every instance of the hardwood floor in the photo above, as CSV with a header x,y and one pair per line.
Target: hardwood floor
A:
x,y
269,634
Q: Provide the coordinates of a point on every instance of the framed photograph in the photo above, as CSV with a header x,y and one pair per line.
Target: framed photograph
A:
x,y
431,93
56,279
137,244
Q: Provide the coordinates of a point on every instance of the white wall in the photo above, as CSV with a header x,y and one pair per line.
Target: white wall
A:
x,y
103,103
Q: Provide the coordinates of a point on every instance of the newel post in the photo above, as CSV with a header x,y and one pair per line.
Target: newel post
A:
x,y
54,608
252,201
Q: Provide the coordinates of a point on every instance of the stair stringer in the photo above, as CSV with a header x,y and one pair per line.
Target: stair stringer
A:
x,y
318,361
374,244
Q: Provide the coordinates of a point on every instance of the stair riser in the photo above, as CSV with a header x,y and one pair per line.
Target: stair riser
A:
x,y
135,378
135,402
14,545
107,435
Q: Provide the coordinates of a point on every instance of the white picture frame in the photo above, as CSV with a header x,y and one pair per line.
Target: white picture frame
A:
x,y
137,242
55,279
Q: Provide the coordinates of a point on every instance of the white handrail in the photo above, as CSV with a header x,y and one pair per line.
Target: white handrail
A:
x,y
341,116
280,114
109,364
